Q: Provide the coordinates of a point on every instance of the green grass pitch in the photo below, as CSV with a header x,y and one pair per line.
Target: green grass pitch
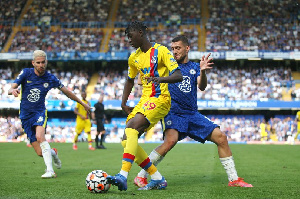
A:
x,y
192,171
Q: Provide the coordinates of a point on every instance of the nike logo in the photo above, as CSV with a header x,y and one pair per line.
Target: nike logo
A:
x,y
29,81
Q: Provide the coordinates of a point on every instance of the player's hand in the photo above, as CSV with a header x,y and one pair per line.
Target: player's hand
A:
x,y
15,92
205,62
127,109
155,80
87,108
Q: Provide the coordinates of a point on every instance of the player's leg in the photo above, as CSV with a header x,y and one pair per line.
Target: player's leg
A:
x,y
97,139
78,129
87,129
46,151
298,132
90,142
157,155
225,155
134,125
101,130
102,137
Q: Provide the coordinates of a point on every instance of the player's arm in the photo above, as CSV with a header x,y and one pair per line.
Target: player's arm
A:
x,y
176,76
205,64
169,61
14,90
72,96
126,92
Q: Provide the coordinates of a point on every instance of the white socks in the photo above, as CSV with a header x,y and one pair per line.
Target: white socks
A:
x,y
46,151
229,167
156,176
155,158
53,154
124,173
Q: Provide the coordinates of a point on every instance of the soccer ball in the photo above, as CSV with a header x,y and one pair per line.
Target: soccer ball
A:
x,y
96,182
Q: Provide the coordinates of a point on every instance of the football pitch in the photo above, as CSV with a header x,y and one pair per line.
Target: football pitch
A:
x,y
192,171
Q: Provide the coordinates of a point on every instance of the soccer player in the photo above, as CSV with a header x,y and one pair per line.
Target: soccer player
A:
x,y
298,125
35,83
99,116
185,120
157,67
263,131
83,122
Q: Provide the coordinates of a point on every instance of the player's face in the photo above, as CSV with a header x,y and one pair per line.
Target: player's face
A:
x,y
180,51
40,65
134,38
100,100
83,95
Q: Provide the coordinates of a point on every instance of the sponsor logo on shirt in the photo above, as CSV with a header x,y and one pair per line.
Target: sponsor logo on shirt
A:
x,y
34,95
185,85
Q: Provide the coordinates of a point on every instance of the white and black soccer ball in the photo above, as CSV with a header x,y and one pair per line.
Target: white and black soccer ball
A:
x,y
96,182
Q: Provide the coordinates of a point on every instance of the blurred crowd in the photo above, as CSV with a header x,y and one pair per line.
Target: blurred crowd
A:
x,y
237,128
59,11
224,83
236,25
70,40
253,25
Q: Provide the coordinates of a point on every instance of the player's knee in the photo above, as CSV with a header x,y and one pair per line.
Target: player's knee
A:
x,y
222,139
218,137
170,143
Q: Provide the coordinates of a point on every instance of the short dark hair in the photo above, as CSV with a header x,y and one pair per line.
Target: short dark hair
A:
x,y
136,25
182,38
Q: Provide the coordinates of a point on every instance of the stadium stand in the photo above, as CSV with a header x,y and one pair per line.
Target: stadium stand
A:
x,y
77,27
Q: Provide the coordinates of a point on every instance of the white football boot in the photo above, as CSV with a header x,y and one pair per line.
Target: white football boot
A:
x,y
49,174
56,160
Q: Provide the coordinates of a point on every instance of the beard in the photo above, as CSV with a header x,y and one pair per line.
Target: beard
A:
x,y
181,59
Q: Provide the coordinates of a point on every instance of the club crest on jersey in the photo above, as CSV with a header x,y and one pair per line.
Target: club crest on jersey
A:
x,y
34,95
169,122
40,119
185,85
153,59
46,85
192,72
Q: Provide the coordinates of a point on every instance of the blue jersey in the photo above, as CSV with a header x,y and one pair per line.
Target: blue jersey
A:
x,y
184,94
34,90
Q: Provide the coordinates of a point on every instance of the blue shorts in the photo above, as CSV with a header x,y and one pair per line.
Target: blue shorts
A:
x,y
194,125
29,124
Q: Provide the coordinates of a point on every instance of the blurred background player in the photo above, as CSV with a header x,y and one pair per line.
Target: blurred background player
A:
x,y
99,116
298,125
263,131
157,67
184,119
83,122
35,84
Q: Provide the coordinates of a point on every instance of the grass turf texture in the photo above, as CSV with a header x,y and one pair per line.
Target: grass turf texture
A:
x,y
192,171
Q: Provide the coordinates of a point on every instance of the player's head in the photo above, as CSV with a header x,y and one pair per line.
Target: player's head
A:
x,y
83,94
180,47
136,33
39,62
100,100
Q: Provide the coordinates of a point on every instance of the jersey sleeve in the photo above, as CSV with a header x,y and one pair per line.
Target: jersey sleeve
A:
x,y
77,105
169,60
132,70
21,77
56,82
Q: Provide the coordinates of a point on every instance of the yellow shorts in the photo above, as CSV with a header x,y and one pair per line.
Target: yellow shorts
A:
x,y
154,109
83,125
